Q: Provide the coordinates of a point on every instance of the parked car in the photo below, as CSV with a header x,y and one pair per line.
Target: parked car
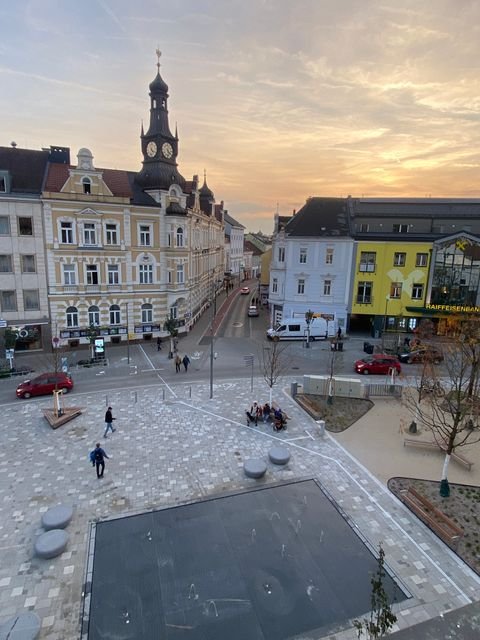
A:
x,y
44,384
245,291
252,311
430,354
380,363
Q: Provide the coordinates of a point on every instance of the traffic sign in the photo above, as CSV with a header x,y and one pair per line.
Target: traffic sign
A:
x,y
3,323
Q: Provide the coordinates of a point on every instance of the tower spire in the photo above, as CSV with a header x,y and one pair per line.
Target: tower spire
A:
x,y
159,53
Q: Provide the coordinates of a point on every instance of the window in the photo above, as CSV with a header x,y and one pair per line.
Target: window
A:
x,y
87,185
364,227
112,234
180,274
93,316
281,254
3,185
367,261
170,278
173,313
28,264
9,301
329,256
301,286
422,260
92,274
69,277
399,259
31,299
145,273
67,232
147,313
89,235
4,226
145,235
396,290
327,287
6,264
72,317
303,256
274,285
364,292
179,237
115,314
417,291
25,227
113,274
400,228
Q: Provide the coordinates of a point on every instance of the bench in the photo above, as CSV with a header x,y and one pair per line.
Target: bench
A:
x,y
435,519
434,446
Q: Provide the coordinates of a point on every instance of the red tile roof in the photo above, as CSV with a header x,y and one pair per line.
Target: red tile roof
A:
x,y
115,179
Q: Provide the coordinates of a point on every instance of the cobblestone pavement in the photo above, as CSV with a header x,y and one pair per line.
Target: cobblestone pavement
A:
x,y
174,444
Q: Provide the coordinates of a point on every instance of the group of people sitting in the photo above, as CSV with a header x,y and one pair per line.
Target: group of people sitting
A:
x,y
276,416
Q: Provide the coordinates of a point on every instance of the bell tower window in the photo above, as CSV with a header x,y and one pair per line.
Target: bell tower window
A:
x,y
87,185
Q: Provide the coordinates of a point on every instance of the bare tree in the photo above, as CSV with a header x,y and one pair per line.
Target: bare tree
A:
x,y
450,414
274,363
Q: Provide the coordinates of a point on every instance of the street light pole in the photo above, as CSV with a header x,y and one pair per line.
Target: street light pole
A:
x,y
128,337
387,298
211,346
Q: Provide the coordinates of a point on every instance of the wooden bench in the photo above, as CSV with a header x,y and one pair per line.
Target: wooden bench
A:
x,y
434,446
438,522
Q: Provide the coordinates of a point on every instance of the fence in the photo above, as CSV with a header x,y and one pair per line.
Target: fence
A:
x,y
383,389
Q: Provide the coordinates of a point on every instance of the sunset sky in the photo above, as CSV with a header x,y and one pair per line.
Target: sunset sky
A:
x,y
277,100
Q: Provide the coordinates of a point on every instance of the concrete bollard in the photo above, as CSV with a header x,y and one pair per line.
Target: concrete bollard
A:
x,y
321,427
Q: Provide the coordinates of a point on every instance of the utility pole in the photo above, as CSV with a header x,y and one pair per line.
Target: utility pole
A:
x,y
128,337
211,343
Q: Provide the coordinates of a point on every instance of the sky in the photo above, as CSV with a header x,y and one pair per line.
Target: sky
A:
x,y
277,100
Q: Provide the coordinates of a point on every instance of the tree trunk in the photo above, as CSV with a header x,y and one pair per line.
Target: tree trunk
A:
x,y
446,462
271,393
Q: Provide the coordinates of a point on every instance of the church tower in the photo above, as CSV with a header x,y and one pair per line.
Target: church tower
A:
x,y
159,146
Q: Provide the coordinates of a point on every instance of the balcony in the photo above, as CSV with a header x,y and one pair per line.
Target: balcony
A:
x,y
70,288
366,267
92,288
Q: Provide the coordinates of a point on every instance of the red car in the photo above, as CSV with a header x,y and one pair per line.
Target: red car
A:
x,y
378,363
44,384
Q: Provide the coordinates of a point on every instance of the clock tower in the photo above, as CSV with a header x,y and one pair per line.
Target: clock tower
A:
x,y
159,146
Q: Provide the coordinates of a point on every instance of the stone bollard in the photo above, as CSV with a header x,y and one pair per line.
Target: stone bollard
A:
x,y
321,427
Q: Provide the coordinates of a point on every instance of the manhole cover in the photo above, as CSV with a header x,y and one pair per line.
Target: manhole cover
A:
x,y
237,324
295,367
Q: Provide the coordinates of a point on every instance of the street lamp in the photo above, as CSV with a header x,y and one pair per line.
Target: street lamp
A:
x,y
308,320
387,298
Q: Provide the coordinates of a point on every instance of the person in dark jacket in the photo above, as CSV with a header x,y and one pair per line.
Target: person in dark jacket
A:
x,y
108,422
186,362
99,455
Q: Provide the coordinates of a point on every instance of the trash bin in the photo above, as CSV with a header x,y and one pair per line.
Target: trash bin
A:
x,y
293,389
370,349
321,427
340,346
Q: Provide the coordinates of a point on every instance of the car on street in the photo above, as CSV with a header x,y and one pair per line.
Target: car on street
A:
x,y
45,384
422,354
378,363
252,311
245,291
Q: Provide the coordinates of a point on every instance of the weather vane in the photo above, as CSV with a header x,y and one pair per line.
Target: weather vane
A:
x,y
159,53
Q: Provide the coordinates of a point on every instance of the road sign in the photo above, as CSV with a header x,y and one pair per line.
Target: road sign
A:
x,y
248,360
3,323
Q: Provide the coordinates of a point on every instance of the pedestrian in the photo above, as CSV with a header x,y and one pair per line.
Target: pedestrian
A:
x,y
266,412
97,457
252,415
175,344
178,362
159,344
186,362
339,333
109,422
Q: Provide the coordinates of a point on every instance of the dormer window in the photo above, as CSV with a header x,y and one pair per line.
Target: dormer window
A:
x,y
87,185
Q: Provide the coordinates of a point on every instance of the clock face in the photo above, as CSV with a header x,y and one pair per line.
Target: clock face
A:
x,y
167,150
151,149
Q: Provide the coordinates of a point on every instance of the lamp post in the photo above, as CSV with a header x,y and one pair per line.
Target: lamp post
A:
x,y
211,341
387,298
308,320
128,336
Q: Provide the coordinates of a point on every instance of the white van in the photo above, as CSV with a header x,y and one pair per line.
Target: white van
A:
x,y
297,329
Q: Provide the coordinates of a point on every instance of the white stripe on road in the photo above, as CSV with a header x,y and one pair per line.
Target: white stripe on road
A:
x,y
155,371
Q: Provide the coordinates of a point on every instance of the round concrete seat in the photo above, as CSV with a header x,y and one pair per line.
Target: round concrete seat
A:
x,y
279,455
254,468
25,626
51,543
57,517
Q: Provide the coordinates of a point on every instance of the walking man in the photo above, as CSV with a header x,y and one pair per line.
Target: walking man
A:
x,y
108,422
178,362
186,362
159,344
97,456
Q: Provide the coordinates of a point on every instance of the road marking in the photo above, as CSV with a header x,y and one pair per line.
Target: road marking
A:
x,y
149,370
153,369
100,373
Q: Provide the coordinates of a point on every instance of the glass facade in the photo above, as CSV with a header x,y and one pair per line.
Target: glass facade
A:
x,y
456,274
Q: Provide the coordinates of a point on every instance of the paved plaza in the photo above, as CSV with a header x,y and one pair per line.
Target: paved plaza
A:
x,y
175,445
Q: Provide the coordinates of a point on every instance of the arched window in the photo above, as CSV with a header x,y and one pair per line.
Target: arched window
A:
x,y
93,316
87,185
147,313
115,314
72,317
179,237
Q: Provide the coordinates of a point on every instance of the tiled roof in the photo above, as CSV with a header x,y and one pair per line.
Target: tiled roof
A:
x,y
228,218
26,168
249,246
116,180
320,217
